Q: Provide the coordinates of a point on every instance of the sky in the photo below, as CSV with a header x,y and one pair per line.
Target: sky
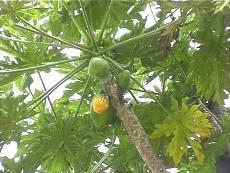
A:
x,y
51,78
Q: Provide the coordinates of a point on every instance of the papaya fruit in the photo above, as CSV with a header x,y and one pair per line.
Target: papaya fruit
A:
x,y
100,103
98,68
105,118
123,80
104,114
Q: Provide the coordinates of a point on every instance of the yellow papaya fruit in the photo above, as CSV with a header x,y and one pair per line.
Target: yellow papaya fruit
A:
x,y
101,111
100,103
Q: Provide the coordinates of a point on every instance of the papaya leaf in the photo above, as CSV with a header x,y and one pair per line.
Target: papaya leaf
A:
x,y
209,66
221,4
182,126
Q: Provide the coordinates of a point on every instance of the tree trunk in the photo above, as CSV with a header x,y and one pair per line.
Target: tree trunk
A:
x,y
134,128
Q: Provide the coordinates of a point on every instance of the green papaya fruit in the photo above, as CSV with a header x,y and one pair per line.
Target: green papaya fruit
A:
x,y
105,118
98,68
123,80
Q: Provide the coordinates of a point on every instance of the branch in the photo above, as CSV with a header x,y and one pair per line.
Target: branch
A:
x,y
41,32
103,24
42,97
76,23
82,96
44,87
137,38
134,129
33,42
88,25
7,71
105,155
40,110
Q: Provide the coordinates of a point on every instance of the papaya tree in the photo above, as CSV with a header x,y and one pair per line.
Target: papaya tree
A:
x,y
145,85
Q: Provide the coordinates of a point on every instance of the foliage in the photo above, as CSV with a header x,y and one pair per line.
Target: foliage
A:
x,y
184,126
186,48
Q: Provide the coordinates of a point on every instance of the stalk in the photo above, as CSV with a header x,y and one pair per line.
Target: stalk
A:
x,y
39,99
38,67
75,45
134,128
82,96
88,26
103,24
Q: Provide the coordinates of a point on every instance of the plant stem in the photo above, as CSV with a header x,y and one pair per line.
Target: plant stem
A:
x,y
103,24
76,23
133,96
38,106
39,99
7,71
134,129
138,83
137,38
77,46
82,96
88,26
105,155
44,87
151,92
33,42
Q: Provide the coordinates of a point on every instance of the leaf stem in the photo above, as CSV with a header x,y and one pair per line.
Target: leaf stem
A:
x,y
137,38
105,155
210,112
31,93
33,42
151,92
28,29
82,96
39,99
7,71
44,87
88,26
135,99
76,23
138,83
103,24
154,18
75,45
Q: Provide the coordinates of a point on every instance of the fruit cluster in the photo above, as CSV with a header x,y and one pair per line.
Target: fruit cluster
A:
x,y
101,110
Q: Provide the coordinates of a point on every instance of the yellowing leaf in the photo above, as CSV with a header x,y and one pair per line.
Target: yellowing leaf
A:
x,y
221,4
180,125
178,146
196,146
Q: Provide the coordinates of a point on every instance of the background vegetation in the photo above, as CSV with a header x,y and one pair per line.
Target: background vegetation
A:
x,y
184,117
